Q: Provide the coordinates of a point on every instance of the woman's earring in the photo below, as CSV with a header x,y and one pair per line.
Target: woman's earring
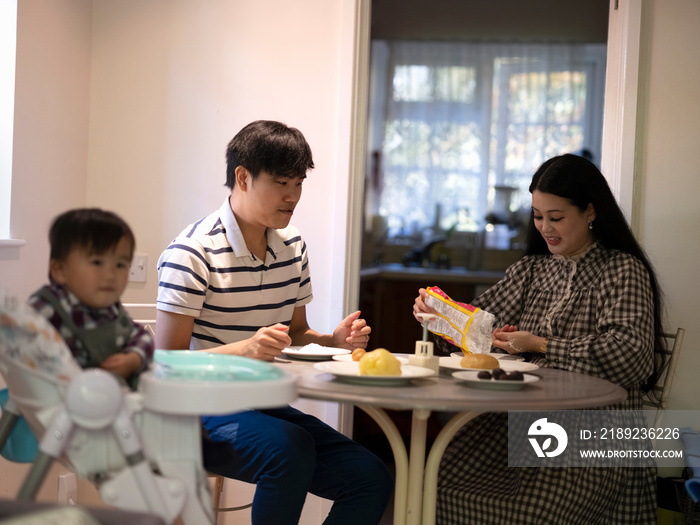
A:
x,y
590,225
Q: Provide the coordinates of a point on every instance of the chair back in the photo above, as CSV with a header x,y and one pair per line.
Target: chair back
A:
x,y
658,396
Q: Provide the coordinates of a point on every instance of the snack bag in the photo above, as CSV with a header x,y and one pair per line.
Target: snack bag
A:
x,y
463,325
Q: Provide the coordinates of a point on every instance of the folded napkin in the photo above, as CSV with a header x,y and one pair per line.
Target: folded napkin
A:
x,y
691,443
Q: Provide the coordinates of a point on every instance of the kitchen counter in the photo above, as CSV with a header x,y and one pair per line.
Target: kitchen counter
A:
x,y
457,274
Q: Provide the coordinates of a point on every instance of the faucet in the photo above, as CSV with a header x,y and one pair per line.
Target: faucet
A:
x,y
425,251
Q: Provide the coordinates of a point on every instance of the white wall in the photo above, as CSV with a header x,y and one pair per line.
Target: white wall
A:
x,y
129,106
49,155
668,146
173,81
49,169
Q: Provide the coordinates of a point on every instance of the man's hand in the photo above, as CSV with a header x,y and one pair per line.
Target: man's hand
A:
x,y
268,342
352,332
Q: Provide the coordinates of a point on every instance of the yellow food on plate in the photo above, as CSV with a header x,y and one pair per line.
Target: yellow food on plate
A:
x,y
481,361
379,362
358,354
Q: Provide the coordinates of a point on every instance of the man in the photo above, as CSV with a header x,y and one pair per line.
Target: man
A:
x,y
237,282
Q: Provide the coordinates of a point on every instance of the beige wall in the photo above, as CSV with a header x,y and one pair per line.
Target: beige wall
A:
x,y
129,106
172,82
668,146
49,170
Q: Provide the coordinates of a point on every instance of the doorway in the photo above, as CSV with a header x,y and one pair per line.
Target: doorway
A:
x,y
617,156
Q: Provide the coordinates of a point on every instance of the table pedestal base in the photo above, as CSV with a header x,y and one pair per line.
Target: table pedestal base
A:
x,y
415,494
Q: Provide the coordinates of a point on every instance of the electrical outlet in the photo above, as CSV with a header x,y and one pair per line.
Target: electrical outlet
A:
x,y
67,489
137,272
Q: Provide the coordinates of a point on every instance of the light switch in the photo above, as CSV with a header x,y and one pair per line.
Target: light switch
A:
x,y
137,272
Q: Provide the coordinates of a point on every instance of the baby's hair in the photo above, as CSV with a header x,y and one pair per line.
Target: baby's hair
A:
x,y
91,229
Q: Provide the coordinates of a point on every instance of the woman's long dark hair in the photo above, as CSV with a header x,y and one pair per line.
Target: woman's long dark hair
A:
x,y
578,180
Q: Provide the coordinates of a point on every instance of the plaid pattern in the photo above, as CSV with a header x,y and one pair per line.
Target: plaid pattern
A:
x,y
596,311
476,486
139,340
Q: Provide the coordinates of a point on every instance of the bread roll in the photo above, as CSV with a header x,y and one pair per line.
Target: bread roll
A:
x,y
480,361
357,354
379,362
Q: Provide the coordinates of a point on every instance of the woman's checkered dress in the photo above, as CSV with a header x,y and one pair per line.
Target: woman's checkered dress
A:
x,y
596,311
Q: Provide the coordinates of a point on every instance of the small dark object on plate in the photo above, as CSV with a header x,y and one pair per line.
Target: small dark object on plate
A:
x,y
497,373
512,376
516,375
484,374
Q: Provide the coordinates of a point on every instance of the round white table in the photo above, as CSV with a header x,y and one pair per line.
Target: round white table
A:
x,y
416,479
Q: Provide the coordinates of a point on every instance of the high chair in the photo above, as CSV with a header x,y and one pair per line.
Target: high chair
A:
x,y
141,449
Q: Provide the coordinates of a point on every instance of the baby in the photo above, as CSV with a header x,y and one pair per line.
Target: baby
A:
x,y
91,252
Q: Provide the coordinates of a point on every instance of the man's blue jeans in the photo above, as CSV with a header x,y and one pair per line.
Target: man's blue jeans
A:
x,y
287,453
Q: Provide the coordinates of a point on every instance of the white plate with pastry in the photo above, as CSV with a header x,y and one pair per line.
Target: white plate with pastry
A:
x,y
470,377
349,372
500,357
348,357
454,363
314,352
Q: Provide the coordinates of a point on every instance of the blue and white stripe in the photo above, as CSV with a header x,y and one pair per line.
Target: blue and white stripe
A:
x,y
208,273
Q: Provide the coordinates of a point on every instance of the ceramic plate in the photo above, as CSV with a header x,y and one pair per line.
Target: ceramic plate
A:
x,y
453,364
348,357
349,372
500,357
469,376
314,352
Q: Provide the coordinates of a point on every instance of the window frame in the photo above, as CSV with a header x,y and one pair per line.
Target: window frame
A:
x,y
590,58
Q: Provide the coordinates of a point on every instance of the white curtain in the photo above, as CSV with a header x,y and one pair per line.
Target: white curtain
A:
x,y
458,129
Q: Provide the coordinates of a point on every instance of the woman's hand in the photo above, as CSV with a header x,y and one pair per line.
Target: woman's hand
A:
x,y
419,306
514,341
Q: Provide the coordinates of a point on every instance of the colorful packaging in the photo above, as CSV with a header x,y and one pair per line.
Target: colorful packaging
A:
x,y
463,325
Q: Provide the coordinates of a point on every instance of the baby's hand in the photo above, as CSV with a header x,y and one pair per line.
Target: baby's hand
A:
x,y
123,365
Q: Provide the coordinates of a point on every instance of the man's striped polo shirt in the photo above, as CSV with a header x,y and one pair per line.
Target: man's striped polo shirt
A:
x,y
208,273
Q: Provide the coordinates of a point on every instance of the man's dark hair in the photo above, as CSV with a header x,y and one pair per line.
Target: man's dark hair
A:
x,y
266,145
92,229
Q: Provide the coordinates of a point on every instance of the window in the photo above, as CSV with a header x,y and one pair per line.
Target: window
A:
x,y
458,129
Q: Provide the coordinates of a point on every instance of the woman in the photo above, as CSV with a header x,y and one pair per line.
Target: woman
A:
x,y
584,298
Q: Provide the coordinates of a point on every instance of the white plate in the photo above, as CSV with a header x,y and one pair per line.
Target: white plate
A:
x,y
348,357
314,352
469,376
350,373
453,363
500,357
